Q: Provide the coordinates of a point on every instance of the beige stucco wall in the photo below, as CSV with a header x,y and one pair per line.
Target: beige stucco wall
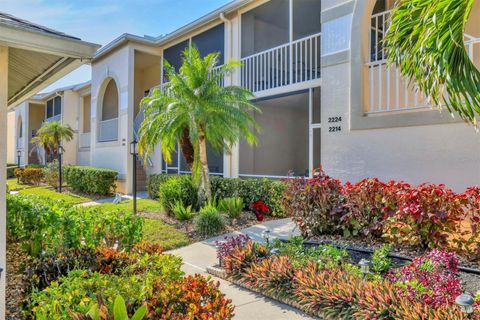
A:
x,y
420,147
119,67
70,116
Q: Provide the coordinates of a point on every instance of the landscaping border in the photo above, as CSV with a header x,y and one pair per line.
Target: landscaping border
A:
x,y
220,273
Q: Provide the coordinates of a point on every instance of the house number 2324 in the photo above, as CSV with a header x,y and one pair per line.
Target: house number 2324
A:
x,y
336,127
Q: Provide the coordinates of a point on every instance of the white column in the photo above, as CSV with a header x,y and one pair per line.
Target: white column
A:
x,y
234,161
3,171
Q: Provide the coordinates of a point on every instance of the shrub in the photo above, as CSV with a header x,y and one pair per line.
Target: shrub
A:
x,y
33,176
51,174
99,311
380,261
232,206
52,226
193,297
315,204
154,182
177,188
181,212
363,208
91,180
426,216
11,170
241,257
226,247
251,190
273,275
79,290
431,279
209,221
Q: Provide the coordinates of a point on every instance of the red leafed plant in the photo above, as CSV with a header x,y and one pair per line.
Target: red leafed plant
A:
x,y
431,278
260,209
241,257
364,203
193,297
426,216
316,204
226,247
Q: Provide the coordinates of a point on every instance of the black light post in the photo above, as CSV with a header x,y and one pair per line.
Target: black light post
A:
x,y
134,153
60,153
19,155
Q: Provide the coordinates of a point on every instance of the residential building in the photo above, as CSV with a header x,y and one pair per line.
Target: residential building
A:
x,y
319,74
70,106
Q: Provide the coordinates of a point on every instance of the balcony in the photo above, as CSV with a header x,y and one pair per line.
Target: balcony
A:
x,y
58,117
84,140
288,64
388,91
108,130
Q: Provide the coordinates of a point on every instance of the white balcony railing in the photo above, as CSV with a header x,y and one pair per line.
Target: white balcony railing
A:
x,y
388,90
291,63
58,117
108,130
84,140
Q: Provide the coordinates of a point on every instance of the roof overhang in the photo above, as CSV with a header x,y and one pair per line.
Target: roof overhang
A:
x,y
37,59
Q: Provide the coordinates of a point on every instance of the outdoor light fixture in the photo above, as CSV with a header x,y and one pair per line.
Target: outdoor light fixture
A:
x,y
266,236
134,153
465,302
60,151
364,266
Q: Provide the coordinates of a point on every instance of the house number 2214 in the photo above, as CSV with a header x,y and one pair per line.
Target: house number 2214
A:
x,y
337,121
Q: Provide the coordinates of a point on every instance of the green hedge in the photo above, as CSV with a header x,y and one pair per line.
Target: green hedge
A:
x,y
250,190
91,180
11,170
154,182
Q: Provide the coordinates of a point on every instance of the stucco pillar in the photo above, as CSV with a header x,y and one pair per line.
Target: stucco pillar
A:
x,y
3,171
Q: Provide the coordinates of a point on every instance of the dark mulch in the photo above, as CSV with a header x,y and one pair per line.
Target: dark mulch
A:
x,y
15,281
245,220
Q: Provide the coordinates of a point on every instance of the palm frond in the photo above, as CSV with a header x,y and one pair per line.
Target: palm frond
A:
x,y
426,41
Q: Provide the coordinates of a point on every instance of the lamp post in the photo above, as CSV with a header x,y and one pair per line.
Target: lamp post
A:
x,y
60,153
465,302
364,267
19,155
134,153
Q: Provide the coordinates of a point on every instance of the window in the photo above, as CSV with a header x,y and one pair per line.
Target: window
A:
x,y
110,102
54,107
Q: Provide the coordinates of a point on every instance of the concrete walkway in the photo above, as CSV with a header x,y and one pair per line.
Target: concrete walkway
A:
x,y
248,305
140,195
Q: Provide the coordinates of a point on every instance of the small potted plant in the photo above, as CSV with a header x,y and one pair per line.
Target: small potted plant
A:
x,y
260,209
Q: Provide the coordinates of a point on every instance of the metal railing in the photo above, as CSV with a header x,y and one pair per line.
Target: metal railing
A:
x,y
84,140
388,90
108,130
291,63
58,117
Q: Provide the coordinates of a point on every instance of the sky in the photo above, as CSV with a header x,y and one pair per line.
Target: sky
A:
x,y
101,21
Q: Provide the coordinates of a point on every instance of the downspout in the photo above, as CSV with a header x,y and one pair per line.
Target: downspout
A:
x,y
228,54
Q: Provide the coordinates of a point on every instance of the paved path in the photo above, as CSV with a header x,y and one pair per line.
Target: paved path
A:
x,y
248,305
140,195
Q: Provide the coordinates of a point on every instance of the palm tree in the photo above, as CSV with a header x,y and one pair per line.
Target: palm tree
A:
x,y
426,41
50,136
194,109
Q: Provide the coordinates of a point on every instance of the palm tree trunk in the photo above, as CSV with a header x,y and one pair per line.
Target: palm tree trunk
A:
x,y
204,190
187,148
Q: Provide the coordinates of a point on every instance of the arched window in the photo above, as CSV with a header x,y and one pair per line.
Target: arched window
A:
x,y
20,127
108,125
110,101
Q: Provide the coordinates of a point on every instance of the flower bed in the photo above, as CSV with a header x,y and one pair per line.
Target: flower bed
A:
x,y
426,216
79,259
323,282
